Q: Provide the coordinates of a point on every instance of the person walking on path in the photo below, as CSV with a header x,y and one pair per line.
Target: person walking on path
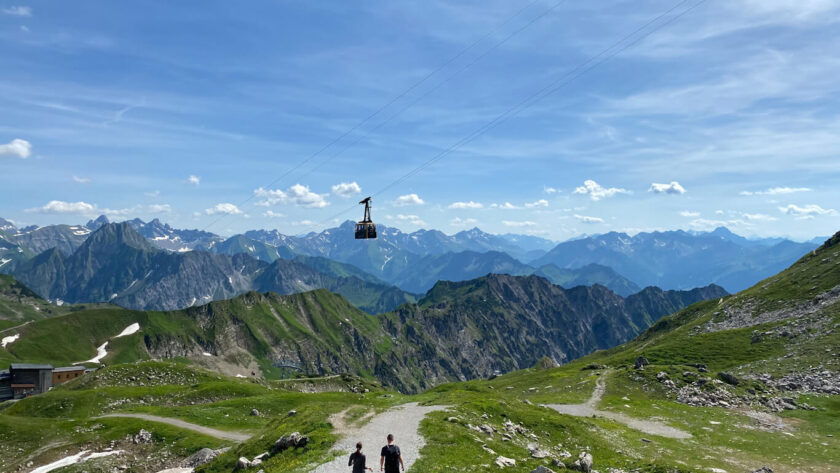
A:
x,y
358,461
391,458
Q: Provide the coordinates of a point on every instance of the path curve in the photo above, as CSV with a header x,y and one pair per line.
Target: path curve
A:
x,y
219,434
590,408
403,421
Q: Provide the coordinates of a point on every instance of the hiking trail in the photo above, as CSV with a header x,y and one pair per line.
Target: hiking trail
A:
x,y
403,421
590,408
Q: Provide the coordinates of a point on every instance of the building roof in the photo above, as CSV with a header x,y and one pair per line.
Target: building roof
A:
x,y
68,368
29,366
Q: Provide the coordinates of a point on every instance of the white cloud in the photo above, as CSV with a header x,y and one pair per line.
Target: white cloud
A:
x,y
88,209
81,180
270,197
223,208
298,194
708,224
687,213
719,212
806,211
159,208
301,195
539,203
673,187
777,191
758,217
466,205
193,180
346,189
597,192
550,190
24,28
272,214
526,223
587,219
412,219
505,206
408,199
304,223
458,221
17,11
17,147
61,207
154,193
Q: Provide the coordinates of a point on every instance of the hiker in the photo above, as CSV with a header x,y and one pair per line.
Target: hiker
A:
x,y
391,457
357,460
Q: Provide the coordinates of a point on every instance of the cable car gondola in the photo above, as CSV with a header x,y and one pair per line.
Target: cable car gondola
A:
x,y
366,228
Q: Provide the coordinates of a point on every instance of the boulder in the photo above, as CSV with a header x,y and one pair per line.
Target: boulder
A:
x,y
144,436
293,440
205,455
502,462
584,462
728,378
763,469
542,469
291,413
242,464
255,412
641,362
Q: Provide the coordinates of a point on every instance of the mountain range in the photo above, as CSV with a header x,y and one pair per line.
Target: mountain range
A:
x,y
116,264
458,331
415,261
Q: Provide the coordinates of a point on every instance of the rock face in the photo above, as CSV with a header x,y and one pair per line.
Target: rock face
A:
x,y
504,323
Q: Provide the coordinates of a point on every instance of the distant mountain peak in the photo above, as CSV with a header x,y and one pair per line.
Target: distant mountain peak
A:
x,y
96,224
118,233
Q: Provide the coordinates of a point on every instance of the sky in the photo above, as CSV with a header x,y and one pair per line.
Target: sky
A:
x,y
284,114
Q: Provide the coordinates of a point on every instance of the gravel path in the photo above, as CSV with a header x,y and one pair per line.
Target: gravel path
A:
x,y
219,434
590,408
402,421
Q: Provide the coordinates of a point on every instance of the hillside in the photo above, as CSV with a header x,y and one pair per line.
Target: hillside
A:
x,y
458,331
785,324
18,304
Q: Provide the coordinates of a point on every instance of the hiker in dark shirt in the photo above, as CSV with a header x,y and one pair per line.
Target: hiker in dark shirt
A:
x,y
391,457
357,460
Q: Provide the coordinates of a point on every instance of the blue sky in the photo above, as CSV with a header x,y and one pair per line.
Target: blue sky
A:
x,y
201,116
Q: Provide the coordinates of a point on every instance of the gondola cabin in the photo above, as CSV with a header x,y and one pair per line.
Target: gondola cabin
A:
x,y
366,228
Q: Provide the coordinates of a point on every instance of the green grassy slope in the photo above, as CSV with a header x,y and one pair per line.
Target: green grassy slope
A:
x,y
782,324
